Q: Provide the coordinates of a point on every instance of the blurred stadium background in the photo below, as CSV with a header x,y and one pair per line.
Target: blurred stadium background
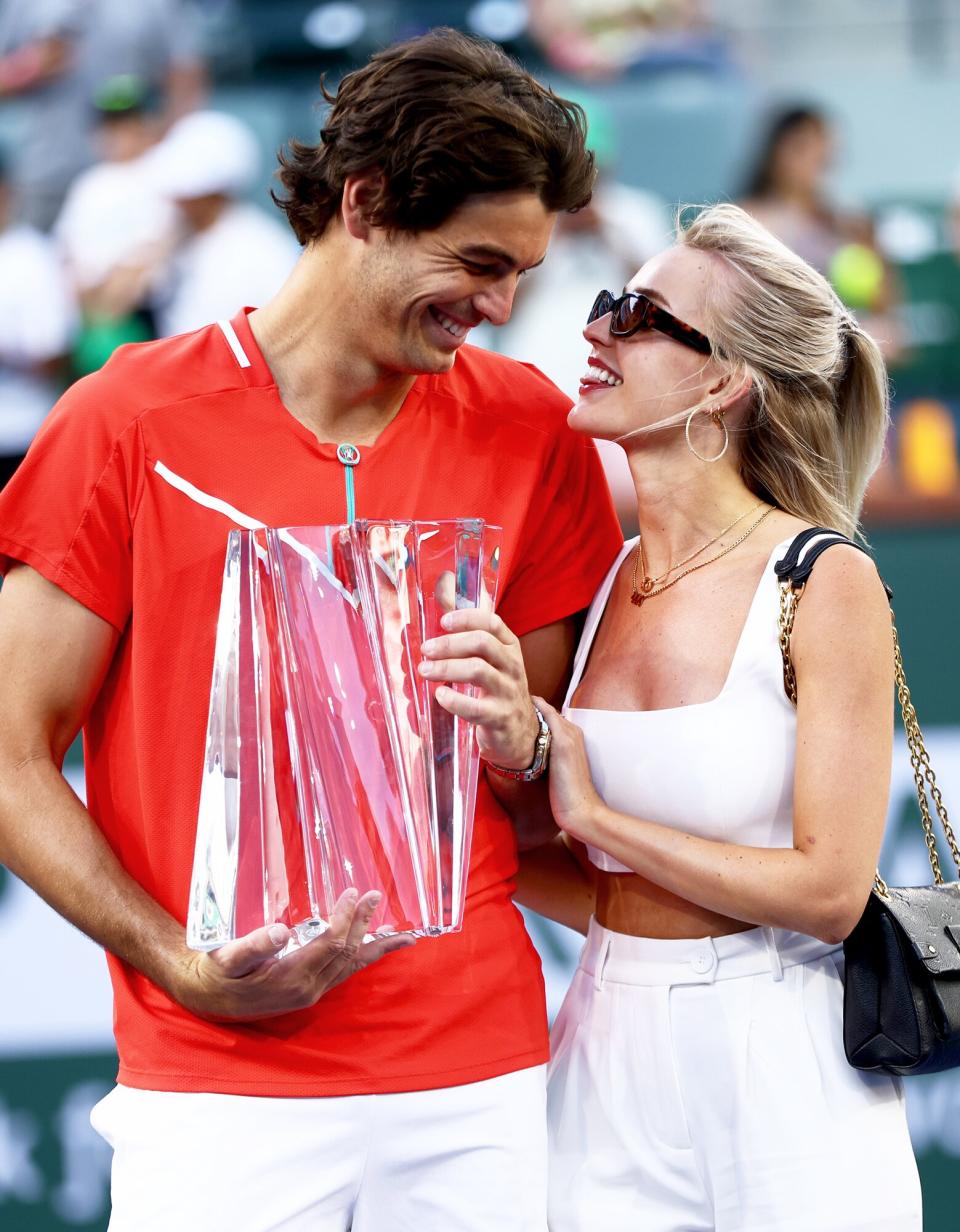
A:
x,y
679,96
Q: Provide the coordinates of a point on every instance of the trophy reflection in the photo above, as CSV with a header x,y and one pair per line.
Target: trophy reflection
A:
x,y
329,762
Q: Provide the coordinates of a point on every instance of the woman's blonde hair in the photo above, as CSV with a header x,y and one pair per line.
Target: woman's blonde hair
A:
x,y
820,402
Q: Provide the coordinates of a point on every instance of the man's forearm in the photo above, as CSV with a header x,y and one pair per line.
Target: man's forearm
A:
x,y
50,841
553,882
528,807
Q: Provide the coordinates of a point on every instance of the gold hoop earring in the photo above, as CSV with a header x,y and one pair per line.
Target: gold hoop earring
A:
x,y
717,417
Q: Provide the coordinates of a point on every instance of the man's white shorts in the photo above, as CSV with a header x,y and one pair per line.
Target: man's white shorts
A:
x,y
701,1086
461,1159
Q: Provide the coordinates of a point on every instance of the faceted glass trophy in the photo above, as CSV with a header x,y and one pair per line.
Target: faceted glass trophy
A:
x,y
328,762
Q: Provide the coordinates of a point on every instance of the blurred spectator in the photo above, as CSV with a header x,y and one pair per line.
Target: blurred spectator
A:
x,y
36,319
232,253
54,53
116,231
604,38
787,192
601,246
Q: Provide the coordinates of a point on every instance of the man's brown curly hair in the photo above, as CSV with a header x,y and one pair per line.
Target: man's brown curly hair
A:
x,y
440,117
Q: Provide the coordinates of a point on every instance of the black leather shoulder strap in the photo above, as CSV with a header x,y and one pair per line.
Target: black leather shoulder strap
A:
x,y
802,554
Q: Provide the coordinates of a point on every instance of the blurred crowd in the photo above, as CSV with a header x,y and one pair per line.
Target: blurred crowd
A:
x,y
126,215
122,203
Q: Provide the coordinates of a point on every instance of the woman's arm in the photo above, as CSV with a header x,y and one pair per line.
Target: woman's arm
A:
x,y
559,882
842,652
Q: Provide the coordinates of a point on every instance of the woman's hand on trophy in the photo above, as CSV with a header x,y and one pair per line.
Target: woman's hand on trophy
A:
x,y
246,980
477,650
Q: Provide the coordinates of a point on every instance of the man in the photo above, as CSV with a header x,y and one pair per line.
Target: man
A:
x,y
411,1094
116,231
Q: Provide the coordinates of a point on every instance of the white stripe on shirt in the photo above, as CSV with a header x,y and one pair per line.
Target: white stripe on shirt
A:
x,y
231,336
199,497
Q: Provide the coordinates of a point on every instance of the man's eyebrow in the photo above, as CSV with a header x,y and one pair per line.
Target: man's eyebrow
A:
x,y
649,293
489,252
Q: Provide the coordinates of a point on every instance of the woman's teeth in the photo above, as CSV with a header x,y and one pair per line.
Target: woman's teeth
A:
x,y
451,326
601,374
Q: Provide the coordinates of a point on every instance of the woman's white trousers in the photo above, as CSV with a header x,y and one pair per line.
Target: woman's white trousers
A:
x,y
701,1086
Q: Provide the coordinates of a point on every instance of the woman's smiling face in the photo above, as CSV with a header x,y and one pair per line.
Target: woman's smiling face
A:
x,y
630,383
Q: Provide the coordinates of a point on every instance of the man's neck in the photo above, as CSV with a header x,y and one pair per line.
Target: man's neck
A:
x,y
324,381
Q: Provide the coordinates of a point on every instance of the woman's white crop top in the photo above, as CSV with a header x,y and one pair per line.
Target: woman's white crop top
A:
x,y
721,769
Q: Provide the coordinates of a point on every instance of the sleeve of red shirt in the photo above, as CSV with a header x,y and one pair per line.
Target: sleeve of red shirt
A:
x,y
68,510
568,541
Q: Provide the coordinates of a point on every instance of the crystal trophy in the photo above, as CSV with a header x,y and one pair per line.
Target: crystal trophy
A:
x,y
329,762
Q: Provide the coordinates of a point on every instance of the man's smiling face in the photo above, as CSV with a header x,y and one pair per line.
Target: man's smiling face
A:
x,y
419,295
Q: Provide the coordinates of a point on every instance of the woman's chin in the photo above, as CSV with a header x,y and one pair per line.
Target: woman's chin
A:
x,y
583,417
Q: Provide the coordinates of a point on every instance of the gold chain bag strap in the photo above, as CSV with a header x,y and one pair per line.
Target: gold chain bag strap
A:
x,y
901,1006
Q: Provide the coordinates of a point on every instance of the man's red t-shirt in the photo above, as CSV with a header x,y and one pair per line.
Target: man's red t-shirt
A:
x,y
125,501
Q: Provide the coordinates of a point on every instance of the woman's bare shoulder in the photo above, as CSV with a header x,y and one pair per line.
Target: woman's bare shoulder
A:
x,y
844,602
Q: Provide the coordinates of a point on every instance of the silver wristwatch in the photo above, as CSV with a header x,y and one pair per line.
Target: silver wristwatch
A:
x,y
540,755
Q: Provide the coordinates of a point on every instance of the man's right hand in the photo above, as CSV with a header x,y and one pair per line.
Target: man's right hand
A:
x,y
245,979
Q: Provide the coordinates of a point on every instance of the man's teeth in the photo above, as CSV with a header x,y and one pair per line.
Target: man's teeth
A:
x,y
451,326
601,374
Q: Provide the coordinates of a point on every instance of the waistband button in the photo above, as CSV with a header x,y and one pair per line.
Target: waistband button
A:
x,y
702,962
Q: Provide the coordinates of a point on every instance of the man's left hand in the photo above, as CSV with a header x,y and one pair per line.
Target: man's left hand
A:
x,y
478,649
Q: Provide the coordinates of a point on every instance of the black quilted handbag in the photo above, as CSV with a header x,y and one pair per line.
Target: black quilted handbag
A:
x,y
901,1003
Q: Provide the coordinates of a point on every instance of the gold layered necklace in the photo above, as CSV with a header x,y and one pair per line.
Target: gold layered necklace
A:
x,y
650,586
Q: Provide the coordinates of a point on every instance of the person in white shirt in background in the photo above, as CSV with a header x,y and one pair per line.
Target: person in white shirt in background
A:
x,y
53,56
230,252
116,231
37,320
605,243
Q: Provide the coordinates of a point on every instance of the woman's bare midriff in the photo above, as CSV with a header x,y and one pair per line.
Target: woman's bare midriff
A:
x,y
628,903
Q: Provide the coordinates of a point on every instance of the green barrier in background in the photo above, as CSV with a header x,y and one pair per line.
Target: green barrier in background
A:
x,y
922,565
54,1170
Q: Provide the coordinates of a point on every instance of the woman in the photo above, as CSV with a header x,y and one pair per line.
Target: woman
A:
x,y
724,841
788,192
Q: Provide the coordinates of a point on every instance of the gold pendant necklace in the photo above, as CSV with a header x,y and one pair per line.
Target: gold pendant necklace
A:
x,y
646,586
650,586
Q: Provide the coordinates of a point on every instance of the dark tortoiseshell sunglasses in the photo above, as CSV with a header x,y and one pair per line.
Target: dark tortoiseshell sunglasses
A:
x,y
633,311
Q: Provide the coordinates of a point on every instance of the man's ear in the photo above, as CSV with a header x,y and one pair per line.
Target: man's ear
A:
x,y
359,193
